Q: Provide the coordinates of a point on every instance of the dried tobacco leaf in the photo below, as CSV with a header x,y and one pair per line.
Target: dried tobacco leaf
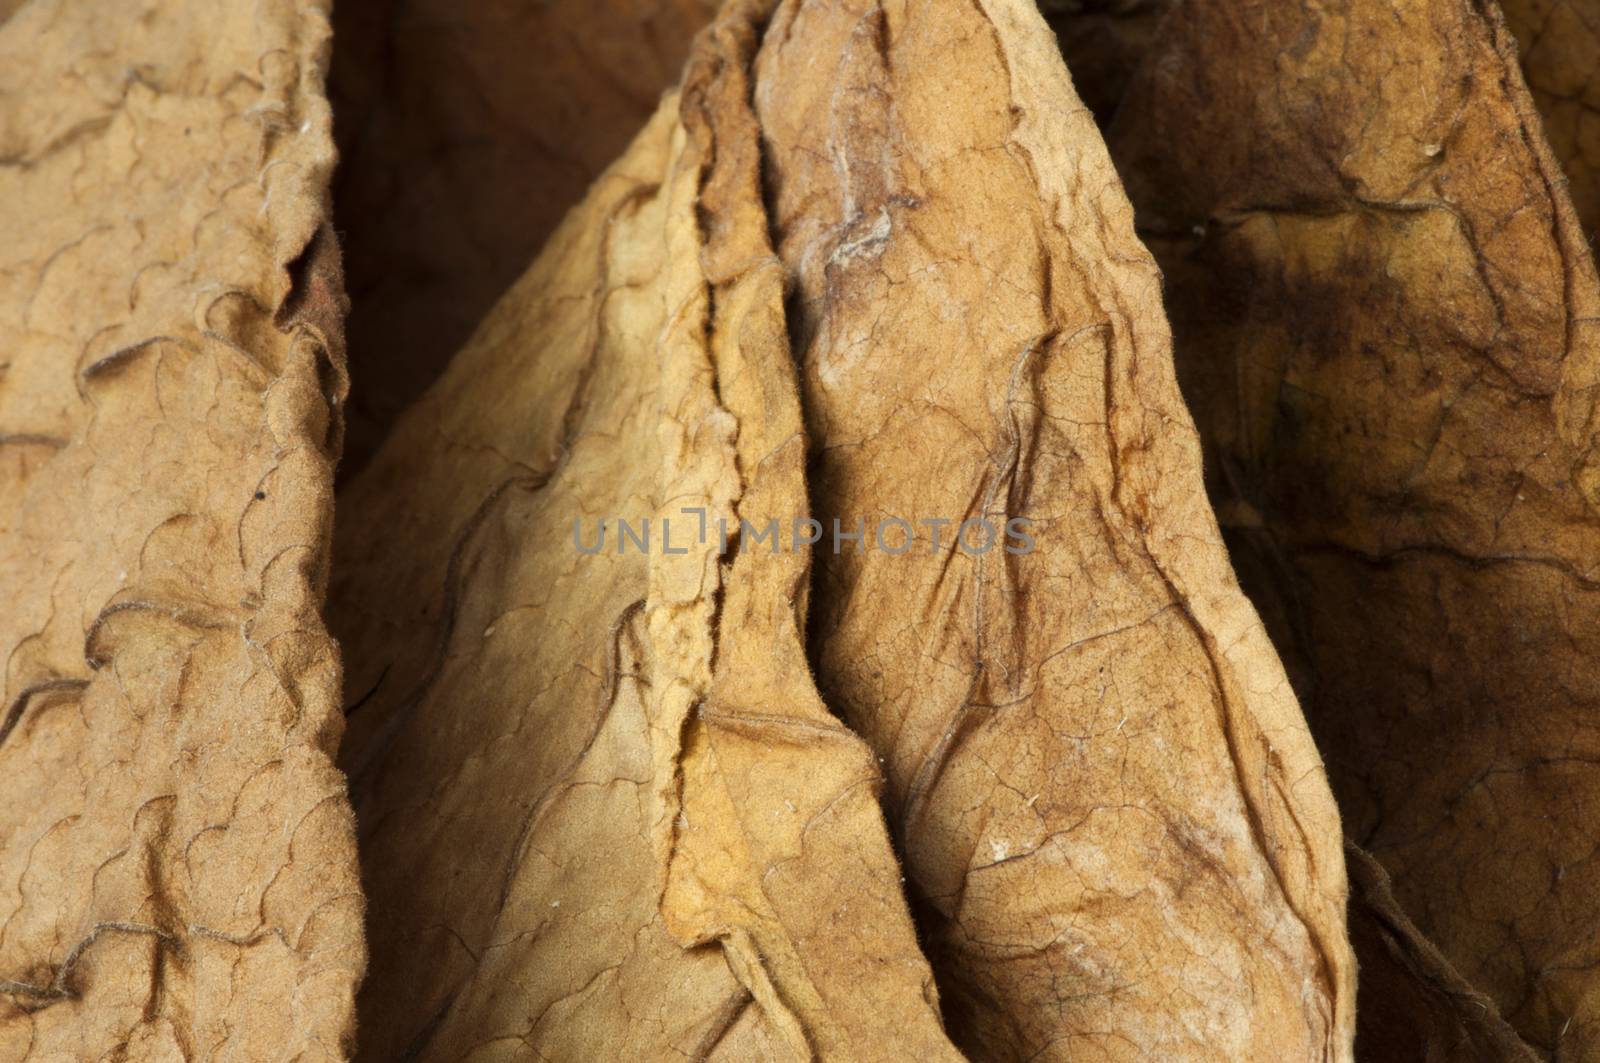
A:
x,y
1106,795
1385,315
1560,43
603,808
1414,1004
177,865
466,131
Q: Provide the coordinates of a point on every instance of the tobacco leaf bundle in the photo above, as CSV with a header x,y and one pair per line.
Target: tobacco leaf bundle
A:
x,y
177,865
1109,805
603,806
1385,313
868,263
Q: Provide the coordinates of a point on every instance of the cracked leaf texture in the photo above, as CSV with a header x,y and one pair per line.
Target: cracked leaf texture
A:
x,y
1112,814
1385,313
602,806
177,866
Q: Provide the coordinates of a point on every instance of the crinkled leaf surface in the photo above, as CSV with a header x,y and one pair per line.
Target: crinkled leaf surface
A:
x,y
177,865
1386,313
466,131
604,813
1108,801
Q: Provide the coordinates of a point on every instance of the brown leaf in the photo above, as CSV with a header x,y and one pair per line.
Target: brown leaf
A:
x,y
1108,801
1385,313
605,814
467,130
177,866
